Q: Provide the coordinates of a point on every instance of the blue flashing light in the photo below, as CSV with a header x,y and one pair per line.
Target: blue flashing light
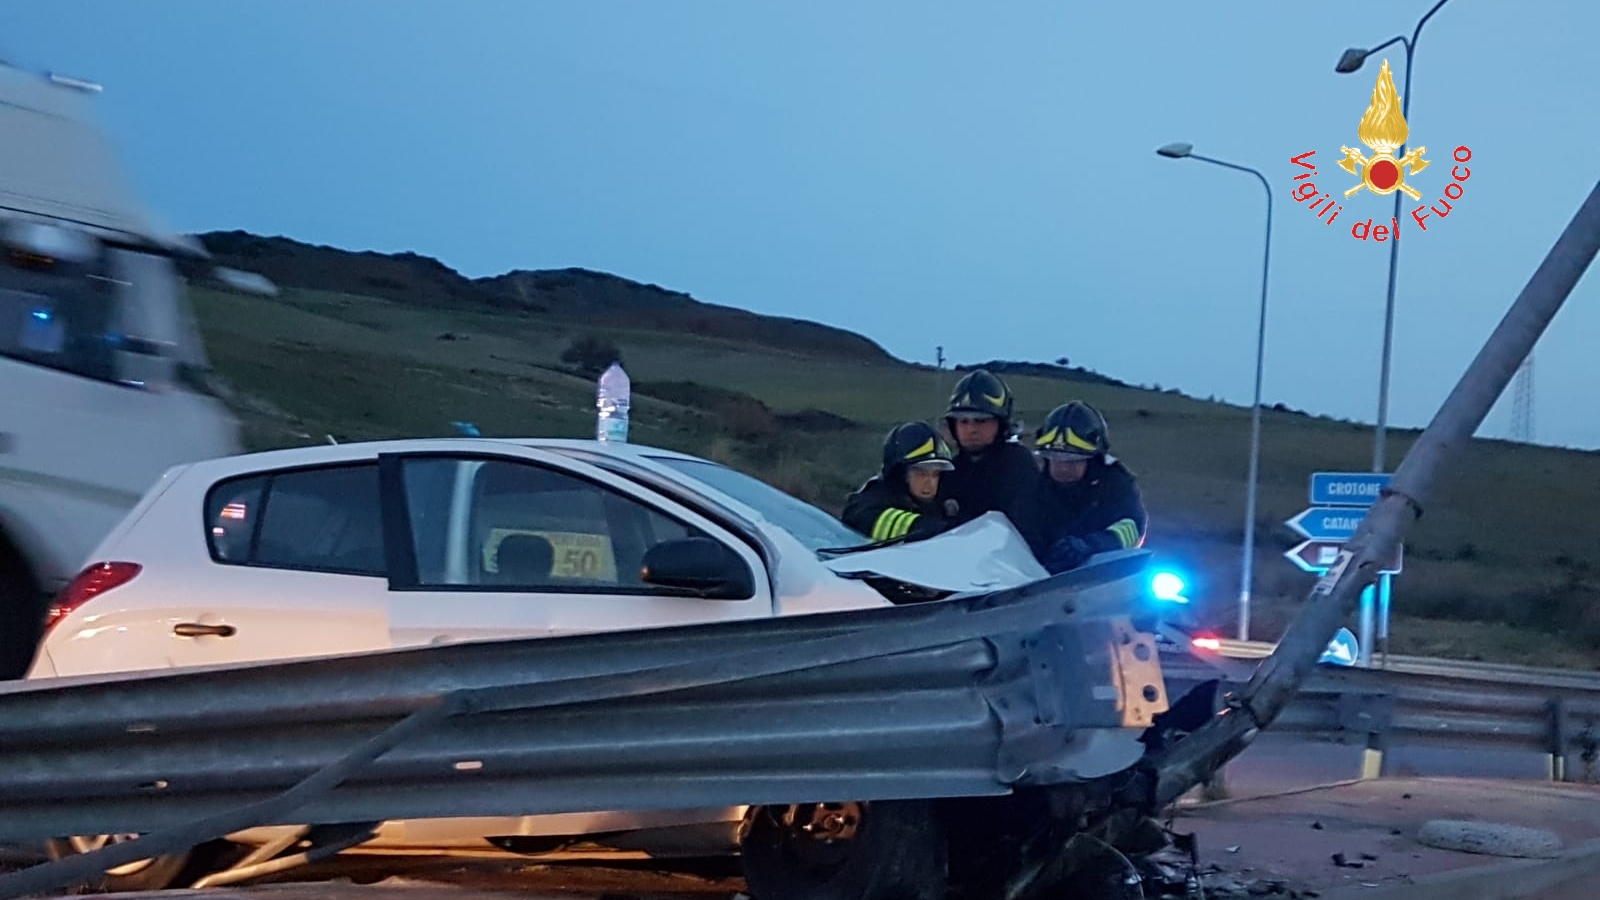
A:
x,y
1168,587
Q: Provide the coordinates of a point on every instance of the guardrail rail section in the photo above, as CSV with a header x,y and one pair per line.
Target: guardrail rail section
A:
x,y
963,697
1423,700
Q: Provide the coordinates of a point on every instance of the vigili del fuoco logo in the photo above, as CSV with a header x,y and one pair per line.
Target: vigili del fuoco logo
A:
x,y
1383,129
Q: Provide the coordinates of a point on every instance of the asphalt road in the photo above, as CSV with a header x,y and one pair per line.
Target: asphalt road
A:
x,y
1286,762
597,881
611,880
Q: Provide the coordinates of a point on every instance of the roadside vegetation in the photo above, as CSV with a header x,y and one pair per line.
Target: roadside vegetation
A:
x,y
366,345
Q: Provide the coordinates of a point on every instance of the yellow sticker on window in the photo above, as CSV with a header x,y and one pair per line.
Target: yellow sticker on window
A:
x,y
577,555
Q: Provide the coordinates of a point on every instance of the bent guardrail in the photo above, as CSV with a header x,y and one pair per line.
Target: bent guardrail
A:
x,y
1550,712
1435,665
967,697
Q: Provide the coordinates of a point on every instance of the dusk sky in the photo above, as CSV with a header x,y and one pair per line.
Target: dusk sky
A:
x,y
976,175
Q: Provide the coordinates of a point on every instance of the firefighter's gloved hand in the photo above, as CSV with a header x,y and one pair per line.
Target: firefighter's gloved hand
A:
x,y
925,527
1067,553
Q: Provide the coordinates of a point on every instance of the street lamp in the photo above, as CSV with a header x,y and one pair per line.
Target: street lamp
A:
x,y
1351,61
1186,151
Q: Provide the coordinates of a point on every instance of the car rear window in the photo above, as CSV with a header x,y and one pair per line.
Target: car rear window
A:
x,y
326,519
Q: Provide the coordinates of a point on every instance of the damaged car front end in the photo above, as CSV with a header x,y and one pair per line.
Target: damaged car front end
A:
x,y
1083,713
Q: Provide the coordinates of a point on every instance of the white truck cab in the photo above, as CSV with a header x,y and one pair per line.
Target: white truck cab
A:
x,y
103,370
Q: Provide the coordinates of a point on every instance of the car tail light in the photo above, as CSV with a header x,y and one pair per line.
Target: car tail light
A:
x,y
90,583
1208,643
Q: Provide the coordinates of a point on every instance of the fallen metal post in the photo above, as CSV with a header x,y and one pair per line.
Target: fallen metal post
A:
x,y
1194,759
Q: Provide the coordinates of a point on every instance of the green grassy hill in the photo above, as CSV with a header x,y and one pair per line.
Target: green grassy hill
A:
x,y
367,345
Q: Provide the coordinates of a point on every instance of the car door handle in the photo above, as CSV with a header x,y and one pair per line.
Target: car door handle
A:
x,y
197,629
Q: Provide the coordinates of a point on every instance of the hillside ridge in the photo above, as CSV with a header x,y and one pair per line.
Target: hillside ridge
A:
x,y
597,298
600,299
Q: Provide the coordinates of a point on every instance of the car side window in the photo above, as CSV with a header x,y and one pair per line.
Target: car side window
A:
x,y
321,520
522,526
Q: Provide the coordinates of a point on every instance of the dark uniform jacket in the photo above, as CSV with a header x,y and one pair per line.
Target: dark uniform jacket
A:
x,y
882,511
1104,509
1000,479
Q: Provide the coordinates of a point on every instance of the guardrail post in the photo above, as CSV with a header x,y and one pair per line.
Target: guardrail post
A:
x,y
1590,749
1556,765
1369,713
1372,758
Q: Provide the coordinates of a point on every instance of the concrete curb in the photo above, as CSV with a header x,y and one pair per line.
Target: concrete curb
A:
x,y
1523,878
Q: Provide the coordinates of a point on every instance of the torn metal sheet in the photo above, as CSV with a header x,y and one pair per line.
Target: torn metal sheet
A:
x,y
986,554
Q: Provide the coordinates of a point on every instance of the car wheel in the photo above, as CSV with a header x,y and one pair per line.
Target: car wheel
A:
x,y
153,874
884,850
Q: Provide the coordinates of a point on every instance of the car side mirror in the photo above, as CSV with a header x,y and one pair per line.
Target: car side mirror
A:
x,y
699,564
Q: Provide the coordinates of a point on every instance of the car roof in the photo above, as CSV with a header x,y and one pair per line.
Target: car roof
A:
x,y
636,456
612,448
312,454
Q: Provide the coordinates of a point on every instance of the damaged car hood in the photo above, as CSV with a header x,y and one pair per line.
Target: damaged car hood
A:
x,y
986,554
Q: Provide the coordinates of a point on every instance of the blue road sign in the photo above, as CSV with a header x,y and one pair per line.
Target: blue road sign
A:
x,y
1327,523
1343,650
1347,488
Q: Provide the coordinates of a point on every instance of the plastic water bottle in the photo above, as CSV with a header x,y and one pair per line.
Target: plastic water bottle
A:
x,y
611,405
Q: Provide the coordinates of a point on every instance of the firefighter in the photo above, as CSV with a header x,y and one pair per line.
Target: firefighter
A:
x,y
903,499
1084,501
992,473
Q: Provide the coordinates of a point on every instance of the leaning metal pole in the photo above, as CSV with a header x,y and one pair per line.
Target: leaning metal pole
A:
x,y
1194,759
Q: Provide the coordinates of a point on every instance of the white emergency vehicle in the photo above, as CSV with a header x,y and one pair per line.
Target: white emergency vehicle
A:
x,y
101,364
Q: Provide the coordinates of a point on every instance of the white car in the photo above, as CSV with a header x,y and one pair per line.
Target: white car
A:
x,y
334,549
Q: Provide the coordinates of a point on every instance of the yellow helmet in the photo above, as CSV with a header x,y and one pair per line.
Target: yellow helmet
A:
x,y
1073,430
916,444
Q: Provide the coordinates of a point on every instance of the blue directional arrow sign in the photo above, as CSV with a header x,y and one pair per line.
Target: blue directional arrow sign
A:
x,y
1347,488
1343,650
1327,523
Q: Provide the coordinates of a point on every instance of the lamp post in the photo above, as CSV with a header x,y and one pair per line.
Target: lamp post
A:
x,y
1351,61
1186,151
